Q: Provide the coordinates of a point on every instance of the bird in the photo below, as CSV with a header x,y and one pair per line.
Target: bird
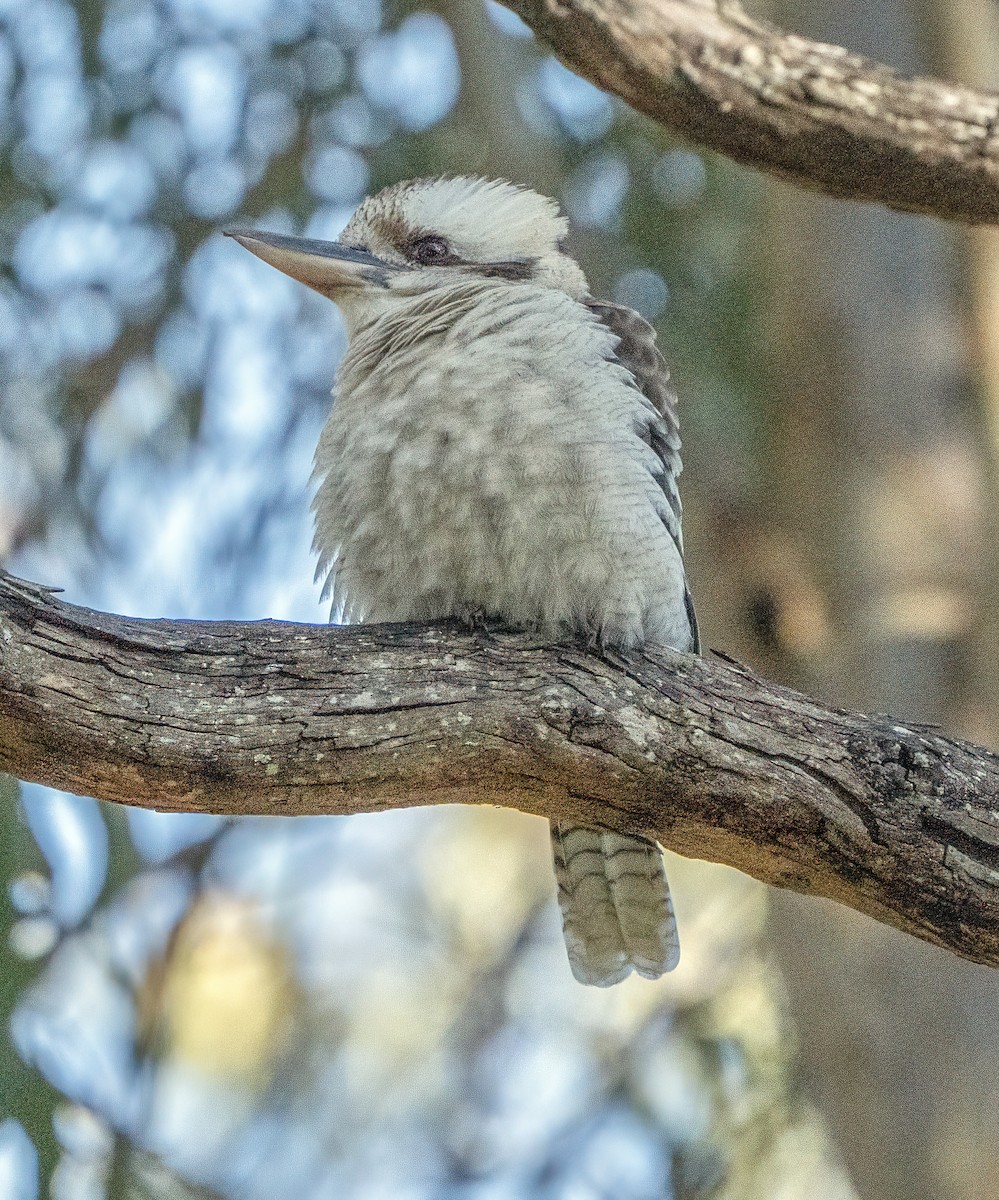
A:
x,y
503,447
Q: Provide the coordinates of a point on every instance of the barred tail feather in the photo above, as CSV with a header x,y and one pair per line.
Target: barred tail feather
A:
x,y
617,914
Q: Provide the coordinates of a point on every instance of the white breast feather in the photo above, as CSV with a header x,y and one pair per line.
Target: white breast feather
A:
x,y
492,463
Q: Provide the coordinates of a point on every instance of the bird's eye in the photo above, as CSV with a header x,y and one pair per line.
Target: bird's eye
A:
x,y
430,250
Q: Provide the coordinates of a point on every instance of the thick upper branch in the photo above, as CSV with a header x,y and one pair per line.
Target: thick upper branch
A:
x,y
264,717
818,115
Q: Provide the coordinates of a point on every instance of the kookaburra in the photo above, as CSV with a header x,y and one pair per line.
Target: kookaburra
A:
x,y
502,446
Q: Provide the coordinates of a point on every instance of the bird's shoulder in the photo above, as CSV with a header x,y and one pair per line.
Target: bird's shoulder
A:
x,y
639,354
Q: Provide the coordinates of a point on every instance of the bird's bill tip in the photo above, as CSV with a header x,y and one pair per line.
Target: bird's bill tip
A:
x,y
240,232
327,267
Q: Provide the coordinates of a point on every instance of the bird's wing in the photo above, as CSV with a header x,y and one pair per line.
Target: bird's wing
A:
x,y
638,353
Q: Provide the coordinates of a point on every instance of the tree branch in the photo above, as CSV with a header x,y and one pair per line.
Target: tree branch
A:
x,y
898,822
816,114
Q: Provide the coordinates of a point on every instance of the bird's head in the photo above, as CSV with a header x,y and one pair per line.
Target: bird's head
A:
x,y
428,234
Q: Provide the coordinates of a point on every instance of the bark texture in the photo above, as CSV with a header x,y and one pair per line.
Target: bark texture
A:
x,y
815,114
266,717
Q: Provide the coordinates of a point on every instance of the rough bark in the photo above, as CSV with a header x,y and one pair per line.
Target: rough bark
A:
x,y
815,114
243,718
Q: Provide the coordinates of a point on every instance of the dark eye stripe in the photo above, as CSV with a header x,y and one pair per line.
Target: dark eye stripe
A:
x,y
518,269
434,250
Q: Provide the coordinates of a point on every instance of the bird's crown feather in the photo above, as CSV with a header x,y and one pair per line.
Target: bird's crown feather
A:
x,y
482,218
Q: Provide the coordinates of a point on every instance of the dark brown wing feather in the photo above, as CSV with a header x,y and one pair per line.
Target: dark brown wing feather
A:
x,y
638,353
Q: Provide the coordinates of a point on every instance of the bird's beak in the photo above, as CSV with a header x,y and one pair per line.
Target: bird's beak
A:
x,y
326,266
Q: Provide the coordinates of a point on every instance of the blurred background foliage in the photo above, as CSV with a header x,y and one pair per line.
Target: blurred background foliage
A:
x,y
381,1006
